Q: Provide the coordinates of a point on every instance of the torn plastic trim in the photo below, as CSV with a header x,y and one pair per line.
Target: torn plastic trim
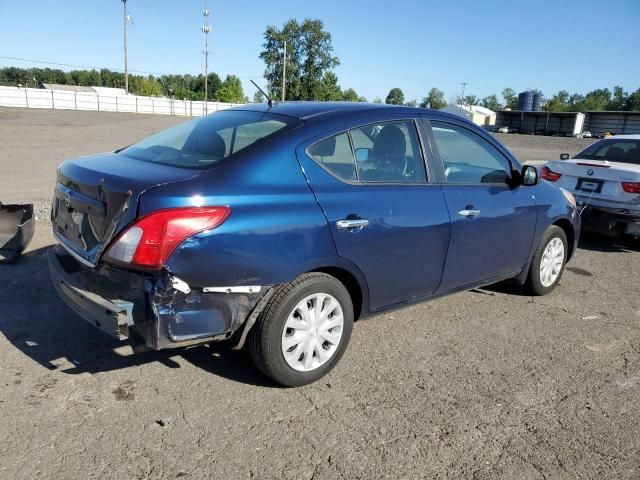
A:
x,y
252,318
17,226
180,285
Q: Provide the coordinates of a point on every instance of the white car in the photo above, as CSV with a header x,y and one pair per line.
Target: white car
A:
x,y
605,180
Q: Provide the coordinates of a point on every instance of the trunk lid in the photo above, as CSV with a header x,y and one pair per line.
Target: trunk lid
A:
x,y
97,196
597,179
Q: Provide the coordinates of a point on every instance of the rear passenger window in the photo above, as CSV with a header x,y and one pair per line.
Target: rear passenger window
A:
x,y
469,158
335,155
388,152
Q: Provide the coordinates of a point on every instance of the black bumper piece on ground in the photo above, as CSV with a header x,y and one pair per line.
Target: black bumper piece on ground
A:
x,y
16,230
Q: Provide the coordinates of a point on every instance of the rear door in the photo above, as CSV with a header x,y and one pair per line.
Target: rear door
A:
x,y
492,221
385,216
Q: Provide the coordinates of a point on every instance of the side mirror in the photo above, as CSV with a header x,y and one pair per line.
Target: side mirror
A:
x,y
565,156
529,176
362,155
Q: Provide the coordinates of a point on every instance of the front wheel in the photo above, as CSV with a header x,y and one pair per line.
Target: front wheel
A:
x,y
547,264
303,330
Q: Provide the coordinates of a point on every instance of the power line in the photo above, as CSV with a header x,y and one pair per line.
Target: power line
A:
x,y
88,67
43,62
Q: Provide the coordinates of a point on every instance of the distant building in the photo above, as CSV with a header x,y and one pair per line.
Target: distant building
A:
x,y
475,113
619,123
67,88
542,123
109,92
102,91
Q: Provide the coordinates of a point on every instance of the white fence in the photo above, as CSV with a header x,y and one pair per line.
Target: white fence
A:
x,y
67,100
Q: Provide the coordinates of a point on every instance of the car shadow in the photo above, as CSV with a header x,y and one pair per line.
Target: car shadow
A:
x,y
39,324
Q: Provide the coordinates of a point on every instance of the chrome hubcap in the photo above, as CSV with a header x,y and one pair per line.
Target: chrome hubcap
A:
x,y
312,332
552,261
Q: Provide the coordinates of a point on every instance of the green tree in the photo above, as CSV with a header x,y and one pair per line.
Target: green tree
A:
x,y
597,100
145,86
412,103
309,58
559,102
491,102
231,90
633,101
328,90
619,99
510,98
258,97
434,99
470,100
377,100
350,95
395,97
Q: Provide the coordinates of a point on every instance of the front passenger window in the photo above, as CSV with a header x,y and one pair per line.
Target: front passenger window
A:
x,y
469,158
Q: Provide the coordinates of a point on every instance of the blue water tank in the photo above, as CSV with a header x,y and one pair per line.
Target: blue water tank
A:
x,y
525,101
537,101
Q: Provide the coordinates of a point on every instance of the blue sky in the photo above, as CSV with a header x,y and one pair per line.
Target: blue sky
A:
x,y
577,45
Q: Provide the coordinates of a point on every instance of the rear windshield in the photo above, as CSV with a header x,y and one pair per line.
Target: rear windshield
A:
x,y
207,140
613,150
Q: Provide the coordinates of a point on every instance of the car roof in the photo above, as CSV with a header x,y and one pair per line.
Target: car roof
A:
x,y
312,110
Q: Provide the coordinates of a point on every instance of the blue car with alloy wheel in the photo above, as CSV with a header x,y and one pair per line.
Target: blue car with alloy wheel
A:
x,y
278,226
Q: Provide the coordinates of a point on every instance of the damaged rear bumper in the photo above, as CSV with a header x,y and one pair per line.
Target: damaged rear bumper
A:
x,y
157,311
612,221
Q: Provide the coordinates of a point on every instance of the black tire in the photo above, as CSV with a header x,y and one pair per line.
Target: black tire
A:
x,y
533,285
266,335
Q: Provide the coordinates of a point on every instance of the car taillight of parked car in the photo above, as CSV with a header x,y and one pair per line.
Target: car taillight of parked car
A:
x,y
150,241
547,174
631,187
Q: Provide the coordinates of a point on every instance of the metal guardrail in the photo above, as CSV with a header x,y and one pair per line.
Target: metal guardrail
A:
x,y
71,100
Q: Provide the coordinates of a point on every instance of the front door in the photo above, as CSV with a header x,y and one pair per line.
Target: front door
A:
x,y
492,221
384,216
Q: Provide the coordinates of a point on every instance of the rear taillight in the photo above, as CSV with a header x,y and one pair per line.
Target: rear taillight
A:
x,y
631,187
149,242
547,174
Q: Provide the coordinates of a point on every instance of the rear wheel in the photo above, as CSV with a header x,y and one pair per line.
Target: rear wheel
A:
x,y
303,331
547,264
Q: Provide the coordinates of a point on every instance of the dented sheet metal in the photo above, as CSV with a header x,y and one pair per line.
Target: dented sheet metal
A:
x,y
159,311
16,230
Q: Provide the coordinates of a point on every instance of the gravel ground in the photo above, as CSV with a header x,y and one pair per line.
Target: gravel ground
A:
x,y
487,384
538,148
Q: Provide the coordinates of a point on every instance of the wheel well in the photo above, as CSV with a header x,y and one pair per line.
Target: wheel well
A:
x,y
351,284
565,225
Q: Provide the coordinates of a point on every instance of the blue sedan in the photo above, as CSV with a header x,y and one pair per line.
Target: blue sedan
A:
x,y
278,226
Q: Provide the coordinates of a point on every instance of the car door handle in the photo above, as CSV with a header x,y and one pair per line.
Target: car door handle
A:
x,y
350,224
469,213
